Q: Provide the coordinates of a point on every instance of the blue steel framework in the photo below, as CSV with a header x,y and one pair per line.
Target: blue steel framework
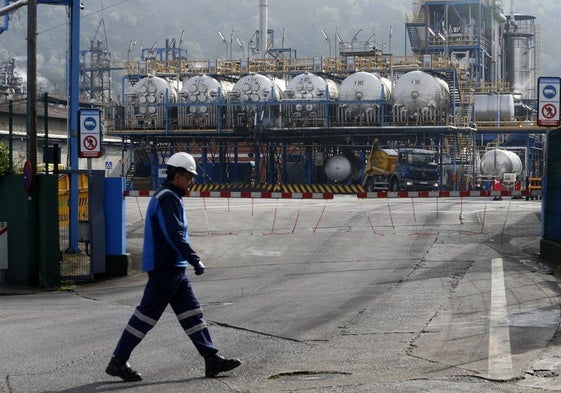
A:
x,y
432,32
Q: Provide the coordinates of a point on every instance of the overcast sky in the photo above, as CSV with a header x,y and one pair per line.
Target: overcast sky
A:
x,y
297,24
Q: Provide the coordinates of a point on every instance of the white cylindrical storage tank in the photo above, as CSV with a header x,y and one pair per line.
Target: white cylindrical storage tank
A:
x,y
494,107
417,90
342,167
497,162
338,168
309,86
316,91
250,91
363,86
143,98
256,88
204,88
202,92
154,89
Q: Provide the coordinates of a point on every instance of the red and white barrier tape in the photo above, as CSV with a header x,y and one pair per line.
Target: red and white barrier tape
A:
x,y
241,194
448,194
362,195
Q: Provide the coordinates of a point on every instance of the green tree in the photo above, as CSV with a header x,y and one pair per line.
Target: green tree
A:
x,y
4,160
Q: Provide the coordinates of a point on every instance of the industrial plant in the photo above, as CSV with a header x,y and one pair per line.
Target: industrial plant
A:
x,y
457,111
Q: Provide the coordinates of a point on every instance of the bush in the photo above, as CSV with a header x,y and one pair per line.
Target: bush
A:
x,y
4,160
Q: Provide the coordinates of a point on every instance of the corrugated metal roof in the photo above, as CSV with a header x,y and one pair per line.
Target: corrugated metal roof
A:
x,y
20,108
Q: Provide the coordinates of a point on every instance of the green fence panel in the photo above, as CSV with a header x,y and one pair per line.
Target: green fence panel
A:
x,y
33,251
17,208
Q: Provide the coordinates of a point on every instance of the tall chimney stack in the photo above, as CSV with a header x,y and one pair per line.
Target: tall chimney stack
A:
x,y
263,27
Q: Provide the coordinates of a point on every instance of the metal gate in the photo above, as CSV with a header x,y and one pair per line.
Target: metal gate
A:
x,y
74,265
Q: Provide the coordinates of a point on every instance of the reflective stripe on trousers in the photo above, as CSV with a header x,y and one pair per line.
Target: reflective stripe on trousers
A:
x,y
166,286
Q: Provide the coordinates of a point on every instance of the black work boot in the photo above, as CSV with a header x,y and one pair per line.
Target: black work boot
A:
x,y
215,364
123,370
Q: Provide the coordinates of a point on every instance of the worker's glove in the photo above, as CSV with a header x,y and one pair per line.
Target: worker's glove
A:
x,y
199,268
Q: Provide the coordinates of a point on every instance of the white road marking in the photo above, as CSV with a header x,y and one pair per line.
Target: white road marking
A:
x,y
500,354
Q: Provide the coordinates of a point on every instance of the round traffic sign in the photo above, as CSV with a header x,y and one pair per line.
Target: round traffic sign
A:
x,y
549,91
90,123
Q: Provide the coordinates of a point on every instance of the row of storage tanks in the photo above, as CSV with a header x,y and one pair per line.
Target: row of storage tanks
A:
x,y
493,164
307,99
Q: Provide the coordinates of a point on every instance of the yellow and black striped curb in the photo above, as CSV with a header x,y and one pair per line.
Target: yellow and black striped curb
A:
x,y
293,188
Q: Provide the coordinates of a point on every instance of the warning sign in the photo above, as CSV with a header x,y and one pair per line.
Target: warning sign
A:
x,y
548,101
549,111
90,133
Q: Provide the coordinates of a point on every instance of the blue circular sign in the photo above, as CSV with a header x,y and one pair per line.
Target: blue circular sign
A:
x,y
549,91
90,123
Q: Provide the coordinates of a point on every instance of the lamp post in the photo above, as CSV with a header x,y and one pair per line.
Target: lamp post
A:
x,y
32,84
240,44
223,40
74,106
328,40
339,41
251,43
355,37
179,60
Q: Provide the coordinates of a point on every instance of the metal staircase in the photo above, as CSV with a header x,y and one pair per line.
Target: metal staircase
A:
x,y
414,29
141,157
414,36
130,175
460,148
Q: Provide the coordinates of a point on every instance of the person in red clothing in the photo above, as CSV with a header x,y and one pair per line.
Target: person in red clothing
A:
x,y
498,186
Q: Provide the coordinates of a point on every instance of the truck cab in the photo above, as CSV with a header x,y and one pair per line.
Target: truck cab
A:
x,y
417,169
401,169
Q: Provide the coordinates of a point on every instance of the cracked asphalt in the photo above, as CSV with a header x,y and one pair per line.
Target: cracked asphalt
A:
x,y
342,295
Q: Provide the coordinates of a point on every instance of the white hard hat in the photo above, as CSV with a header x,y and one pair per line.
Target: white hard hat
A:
x,y
183,160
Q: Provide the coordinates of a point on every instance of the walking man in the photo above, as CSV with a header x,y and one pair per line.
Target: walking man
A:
x,y
166,255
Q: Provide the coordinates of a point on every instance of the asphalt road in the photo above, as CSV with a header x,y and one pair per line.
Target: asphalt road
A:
x,y
343,295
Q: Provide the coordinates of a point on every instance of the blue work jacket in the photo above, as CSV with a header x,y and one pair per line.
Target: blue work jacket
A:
x,y
166,231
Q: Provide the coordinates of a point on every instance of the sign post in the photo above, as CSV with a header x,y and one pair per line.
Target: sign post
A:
x,y
548,101
90,133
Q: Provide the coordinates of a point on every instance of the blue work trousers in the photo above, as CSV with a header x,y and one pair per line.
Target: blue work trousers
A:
x,y
166,286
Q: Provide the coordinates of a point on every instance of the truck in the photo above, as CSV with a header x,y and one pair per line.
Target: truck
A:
x,y
401,169
501,164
